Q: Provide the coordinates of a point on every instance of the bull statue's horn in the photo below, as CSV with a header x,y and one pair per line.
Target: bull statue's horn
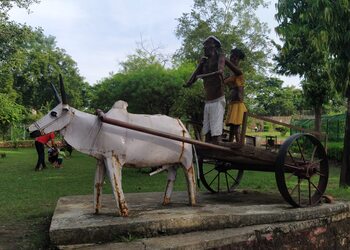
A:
x,y
63,93
57,97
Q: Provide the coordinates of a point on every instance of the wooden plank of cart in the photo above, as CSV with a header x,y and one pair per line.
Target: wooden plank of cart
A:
x,y
300,165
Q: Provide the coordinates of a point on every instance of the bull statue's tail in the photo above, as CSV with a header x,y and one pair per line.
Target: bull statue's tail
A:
x,y
158,170
196,165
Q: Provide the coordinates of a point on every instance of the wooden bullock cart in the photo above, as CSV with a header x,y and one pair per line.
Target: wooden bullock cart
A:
x,y
300,164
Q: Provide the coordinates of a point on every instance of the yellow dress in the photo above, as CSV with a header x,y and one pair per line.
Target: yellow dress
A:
x,y
235,109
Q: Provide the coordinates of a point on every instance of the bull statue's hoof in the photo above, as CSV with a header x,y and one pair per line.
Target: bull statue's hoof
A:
x,y
125,213
166,201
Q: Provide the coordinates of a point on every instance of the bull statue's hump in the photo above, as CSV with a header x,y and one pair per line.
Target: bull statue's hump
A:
x,y
120,105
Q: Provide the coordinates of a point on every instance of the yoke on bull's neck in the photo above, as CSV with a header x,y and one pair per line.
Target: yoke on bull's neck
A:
x,y
81,130
89,135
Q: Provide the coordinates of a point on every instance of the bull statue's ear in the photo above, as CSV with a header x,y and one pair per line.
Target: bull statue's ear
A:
x,y
63,92
57,97
65,107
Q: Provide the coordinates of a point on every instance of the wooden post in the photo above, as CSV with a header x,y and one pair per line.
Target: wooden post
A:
x,y
244,127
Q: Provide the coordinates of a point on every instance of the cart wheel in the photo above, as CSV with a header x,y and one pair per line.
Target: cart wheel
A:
x,y
218,176
302,170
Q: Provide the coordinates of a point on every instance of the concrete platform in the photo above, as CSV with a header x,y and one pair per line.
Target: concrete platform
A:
x,y
218,220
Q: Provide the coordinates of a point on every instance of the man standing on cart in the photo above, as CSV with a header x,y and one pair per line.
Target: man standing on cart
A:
x,y
210,69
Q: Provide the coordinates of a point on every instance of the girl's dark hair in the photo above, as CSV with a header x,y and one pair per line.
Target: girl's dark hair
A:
x,y
238,52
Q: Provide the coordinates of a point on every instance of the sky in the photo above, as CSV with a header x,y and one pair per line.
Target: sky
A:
x,y
99,35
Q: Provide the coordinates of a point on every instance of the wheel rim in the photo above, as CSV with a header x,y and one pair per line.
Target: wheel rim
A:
x,y
302,170
219,176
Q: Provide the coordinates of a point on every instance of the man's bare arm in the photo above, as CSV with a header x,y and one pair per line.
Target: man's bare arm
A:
x,y
237,71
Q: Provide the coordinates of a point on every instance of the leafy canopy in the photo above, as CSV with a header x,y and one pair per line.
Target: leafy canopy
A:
x,y
233,22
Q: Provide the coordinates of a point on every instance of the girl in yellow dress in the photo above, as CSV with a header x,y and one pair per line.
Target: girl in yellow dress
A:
x,y
236,107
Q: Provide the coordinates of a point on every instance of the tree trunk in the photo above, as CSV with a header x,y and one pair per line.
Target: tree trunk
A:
x,y
345,169
318,116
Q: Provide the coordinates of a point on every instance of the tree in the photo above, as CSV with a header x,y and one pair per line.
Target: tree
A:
x,y
150,90
144,55
327,25
189,102
299,56
11,34
6,5
10,113
29,61
268,97
233,22
144,83
317,95
28,72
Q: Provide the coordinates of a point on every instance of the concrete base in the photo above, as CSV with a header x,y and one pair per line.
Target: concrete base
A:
x,y
219,220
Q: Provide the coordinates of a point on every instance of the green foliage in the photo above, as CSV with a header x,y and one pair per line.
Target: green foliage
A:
x,y
335,151
10,113
301,55
233,22
316,93
268,97
30,61
6,5
282,130
189,103
325,25
267,127
150,88
336,105
143,56
12,36
35,63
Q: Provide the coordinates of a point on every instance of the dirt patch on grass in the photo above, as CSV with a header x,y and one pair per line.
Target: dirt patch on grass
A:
x,y
28,234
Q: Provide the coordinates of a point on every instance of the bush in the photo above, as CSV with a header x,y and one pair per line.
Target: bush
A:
x,y
17,144
282,130
335,151
267,127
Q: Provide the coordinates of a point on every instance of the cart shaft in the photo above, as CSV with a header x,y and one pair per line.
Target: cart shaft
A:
x,y
142,129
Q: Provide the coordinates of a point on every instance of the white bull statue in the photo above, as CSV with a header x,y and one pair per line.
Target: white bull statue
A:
x,y
114,146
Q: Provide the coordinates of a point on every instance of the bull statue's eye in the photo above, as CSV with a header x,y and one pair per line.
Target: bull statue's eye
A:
x,y
53,113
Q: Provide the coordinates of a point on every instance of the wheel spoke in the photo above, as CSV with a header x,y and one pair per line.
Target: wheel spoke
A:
x,y
292,166
315,162
228,188
320,174
299,189
236,182
313,153
213,179
209,171
318,190
290,176
291,193
291,156
301,151
218,181
309,182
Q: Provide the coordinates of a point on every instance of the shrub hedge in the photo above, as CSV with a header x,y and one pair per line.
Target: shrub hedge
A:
x,y
335,151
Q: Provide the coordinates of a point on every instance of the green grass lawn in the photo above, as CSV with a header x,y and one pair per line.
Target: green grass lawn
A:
x,y
26,193
28,198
